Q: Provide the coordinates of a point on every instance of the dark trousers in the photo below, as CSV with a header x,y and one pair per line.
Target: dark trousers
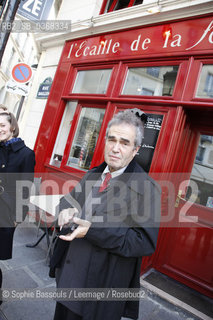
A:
x,y
62,312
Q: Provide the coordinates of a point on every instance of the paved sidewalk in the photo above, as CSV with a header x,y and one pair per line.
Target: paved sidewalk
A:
x,y
29,269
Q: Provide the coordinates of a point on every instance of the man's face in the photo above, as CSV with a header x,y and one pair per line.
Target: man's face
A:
x,y
119,147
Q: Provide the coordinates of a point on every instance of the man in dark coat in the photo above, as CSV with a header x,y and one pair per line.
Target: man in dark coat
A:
x,y
119,209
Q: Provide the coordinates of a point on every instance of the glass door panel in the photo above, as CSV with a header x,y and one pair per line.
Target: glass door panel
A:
x,y
63,132
85,138
202,173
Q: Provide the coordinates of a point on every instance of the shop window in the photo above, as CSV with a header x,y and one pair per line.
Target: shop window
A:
x,y
153,81
200,154
63,133
92,81
85,138
205,86
113,5
202,173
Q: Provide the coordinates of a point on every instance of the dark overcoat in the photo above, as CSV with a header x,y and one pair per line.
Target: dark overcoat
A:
x,y
116,246
17,163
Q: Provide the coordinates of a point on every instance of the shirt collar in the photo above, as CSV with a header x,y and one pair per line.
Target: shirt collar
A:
x,y
113,174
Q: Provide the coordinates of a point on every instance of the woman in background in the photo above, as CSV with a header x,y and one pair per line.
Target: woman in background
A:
x,y
17,163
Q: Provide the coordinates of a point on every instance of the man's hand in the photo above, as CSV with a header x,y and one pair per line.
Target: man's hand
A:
x,y
66,216
79,232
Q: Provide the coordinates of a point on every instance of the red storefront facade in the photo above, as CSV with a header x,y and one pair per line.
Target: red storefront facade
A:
x,y
167,71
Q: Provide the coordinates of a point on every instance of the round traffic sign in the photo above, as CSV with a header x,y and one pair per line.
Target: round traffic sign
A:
x,y
21,72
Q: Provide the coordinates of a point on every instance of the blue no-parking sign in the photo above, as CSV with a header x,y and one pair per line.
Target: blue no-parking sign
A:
x,y
21,73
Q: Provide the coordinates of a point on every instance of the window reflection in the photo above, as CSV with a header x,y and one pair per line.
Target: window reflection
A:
x,y
205,86
63,133
92,81
151,81
85,138
202,172
113,5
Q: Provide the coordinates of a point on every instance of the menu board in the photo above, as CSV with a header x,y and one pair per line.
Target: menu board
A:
x,y
151,132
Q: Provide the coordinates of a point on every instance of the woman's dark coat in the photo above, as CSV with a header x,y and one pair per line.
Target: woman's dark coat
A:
x,y
117,251
16,164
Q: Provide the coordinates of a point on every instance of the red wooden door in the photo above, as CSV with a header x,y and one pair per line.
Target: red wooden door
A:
x,y
185,246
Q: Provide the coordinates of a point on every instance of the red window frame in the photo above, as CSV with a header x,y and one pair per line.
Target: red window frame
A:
x,y
73,75
109,101
182,64
105,9
195,73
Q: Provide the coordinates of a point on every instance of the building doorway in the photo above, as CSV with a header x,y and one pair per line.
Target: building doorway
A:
x,y
185,247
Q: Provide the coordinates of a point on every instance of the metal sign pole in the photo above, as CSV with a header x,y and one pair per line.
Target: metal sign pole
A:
x,y
9,16
20,107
